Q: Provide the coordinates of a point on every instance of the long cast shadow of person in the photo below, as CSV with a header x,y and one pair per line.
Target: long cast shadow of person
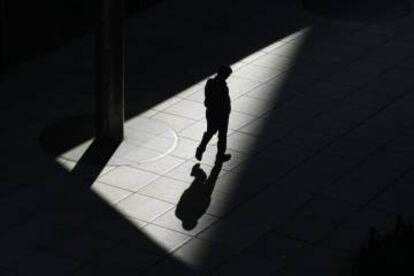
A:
x,y
195,201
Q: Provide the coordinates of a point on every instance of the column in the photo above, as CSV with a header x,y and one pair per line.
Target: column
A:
x,y
109,54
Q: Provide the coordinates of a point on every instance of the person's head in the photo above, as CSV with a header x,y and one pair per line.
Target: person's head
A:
x,y
224,72
189,224
198,172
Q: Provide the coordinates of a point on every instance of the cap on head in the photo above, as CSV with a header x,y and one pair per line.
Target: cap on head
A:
x,y
224,71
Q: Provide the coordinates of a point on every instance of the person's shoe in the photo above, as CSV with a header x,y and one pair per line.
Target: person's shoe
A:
x,y
199,154
223,157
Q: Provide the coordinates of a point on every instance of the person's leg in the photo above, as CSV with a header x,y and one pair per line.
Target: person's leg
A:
x,y
222,140
211,130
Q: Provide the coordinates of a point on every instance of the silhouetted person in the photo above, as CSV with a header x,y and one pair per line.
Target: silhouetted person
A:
x,y
218,107
195,200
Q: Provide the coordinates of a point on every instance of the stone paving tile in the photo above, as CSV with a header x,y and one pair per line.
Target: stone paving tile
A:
x,y
293,83
167,239
161,143
245,143
310,141
290,116
124,260
351,113
372,101
169,265
162,166
16,250
367,35
83,247
171,221
283,41
144,126
330,209
198,96
397,198
148,113
72,216
75,152
47,263
36,233
239,86
143,207
220,204
238,120
317,228
138,154
187,109
274,161
330,89
328,125
190,90
313,103
321,261
184,171
273,91
128,178
398,115
347,239
340,51
313,68
255,55
278,249
389,87
273,62
247,265
282,202
361,142
240,188
185,148
196,130
209,158
391,52
235,234
198,254
288,50
357,75
314,175
110,227
110,193
362,184
389,159
165,189
369,217
166,103
175,122
13,215
251,106
260,127
7,272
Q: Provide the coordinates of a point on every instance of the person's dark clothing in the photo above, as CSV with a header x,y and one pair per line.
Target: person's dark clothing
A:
x,y
217,99
218,107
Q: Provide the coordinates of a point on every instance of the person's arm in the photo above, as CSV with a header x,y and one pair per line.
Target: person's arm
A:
x,y
207,94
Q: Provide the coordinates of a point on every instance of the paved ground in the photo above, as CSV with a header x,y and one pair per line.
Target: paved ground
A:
x,y
321,135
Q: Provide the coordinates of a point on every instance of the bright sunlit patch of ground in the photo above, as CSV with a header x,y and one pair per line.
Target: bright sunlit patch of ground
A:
x,y
169,134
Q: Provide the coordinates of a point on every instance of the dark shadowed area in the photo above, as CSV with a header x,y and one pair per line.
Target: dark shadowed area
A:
x,y
321,135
